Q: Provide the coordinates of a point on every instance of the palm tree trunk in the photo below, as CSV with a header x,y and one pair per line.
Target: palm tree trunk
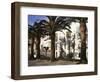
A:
x,y
38,47
69,47
32,49
83,42
68,40
53,46
83,52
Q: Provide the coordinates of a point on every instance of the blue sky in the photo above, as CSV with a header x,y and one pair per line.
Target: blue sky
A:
x,y
33,18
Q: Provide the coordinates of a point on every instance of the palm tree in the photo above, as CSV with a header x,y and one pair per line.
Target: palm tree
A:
x,y
54,24
40,31
38,35
83,33
31,35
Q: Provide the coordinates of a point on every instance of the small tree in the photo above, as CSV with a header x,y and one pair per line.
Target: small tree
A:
x,y
54,24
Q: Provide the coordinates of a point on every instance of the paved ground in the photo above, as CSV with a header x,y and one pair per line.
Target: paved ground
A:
x,y
39,62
